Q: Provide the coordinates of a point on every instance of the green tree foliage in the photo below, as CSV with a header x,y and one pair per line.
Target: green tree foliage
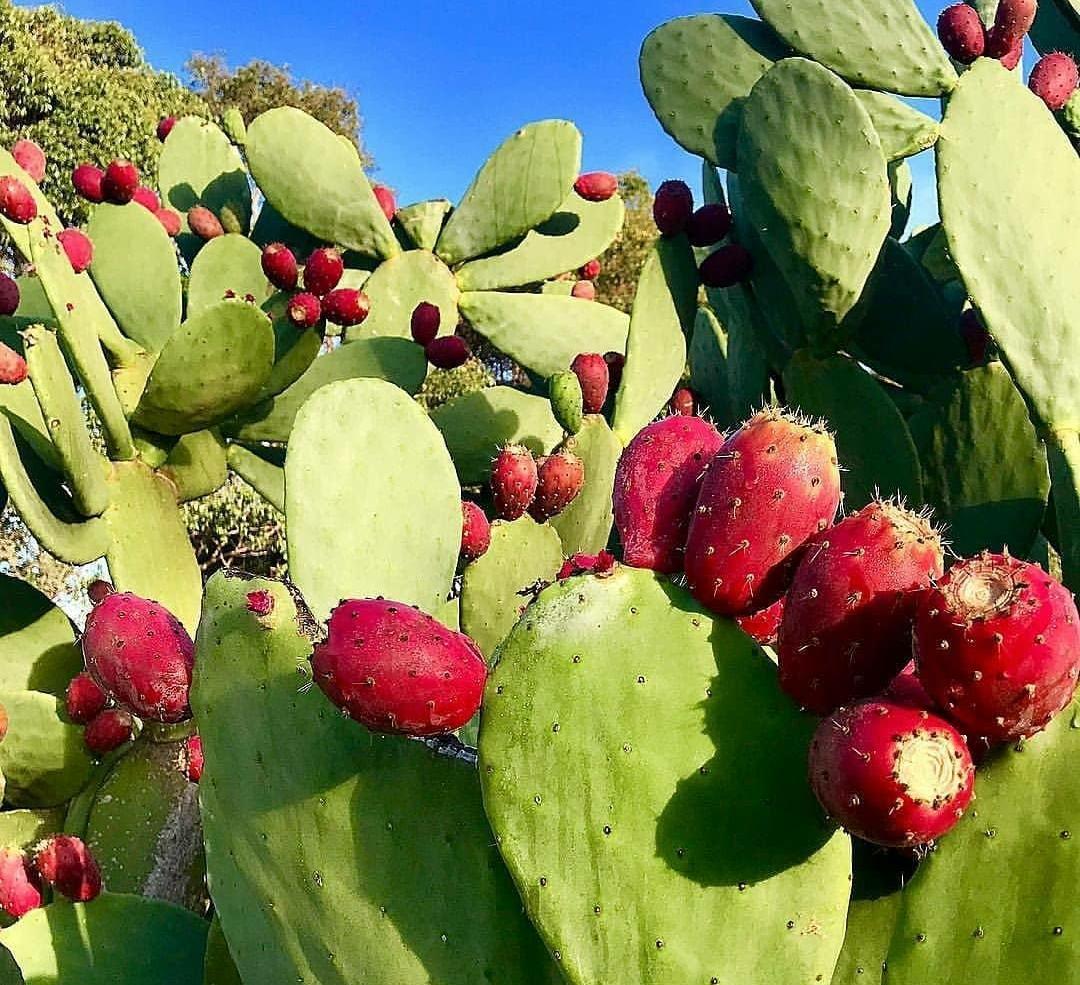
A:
x,y
621,263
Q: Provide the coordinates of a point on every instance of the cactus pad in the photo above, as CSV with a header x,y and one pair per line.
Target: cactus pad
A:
x,y
398,286
37,641
584,526
227,263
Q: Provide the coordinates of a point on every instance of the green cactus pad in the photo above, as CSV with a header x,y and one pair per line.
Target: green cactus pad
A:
x,y
544,332
700,852
150,552
655,345
564,391
37,641
385,517
114,940
214,365
495,587
1057,27
423,221
42,757
708,356
219,968
272,227
574,235
398,286
317,181
820,204
196,465
902,130
135,270
294,349
747,367
340,810
22,829
267,479
880,44
521,185
984,468
476,425
873,442
1064,453
560,288
901,192
228,263
698,71
19,404
584,526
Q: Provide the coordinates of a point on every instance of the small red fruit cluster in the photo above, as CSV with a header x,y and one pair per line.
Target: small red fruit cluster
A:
x,y
965,38
543,486
443,352
321,298
118,184
60,861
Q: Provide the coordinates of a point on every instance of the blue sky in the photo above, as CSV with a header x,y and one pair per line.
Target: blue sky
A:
x,y
441,84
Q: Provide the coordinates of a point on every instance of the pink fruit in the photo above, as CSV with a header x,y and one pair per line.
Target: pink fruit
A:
x,y
30,158
764,625
170,220
584,289
892,775
9,295
513,481
672,207
164,127
773,485
19,889
395,669
140,654
323,270
447,352
260,602
906,689
708,225
279,265
727,266
615,363
193,758
85,700
387,202
847,623
147,198
1012,22
108,731
601,565
346,306
66,864
16,202
559,479
1012,57
425,321
98,591
590,271
13,367
961,31
975,336
304,310
1054,79
656,485
682,402
204,224
120,182
77,246
475,531
592,372
596,186
87,180
997,643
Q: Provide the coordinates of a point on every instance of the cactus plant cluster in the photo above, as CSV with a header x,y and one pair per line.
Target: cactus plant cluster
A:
x,y
512,717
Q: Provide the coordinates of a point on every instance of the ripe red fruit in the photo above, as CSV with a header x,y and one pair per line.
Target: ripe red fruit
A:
x,y
763,626
708,225
906,689
147,198
66,864
110,730
513,481
592,372
596,186
78,247
975,336
20,891
30,158
657,482
961,32
13,367
87,180
140,654
727,266
560,477
682,402
773,485
892,775
475,531
387,201
601,565
584,289
1012,22
164,127
279,265
193,758
204,224
346,306
395,669
1012,57
590,271
323,270
260,602
304,310
847,623
16,202
1054,79
425,321
84,700
9,295
170,220
98,591
120,181
447,352
997,643
672,207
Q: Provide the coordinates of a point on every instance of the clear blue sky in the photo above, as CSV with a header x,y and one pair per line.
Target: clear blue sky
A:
x,y
441,84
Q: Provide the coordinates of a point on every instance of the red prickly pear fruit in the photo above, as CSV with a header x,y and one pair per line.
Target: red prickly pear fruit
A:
x,y
773,485
847,623
906,689
120,181
513,481
147,198
170,220
891,775
88,180
66,864
393,668
682,402
109,731
13,367
585,290
304,310
596,186
193,758
593,374
19,889
1012,22
84,699
425,322
1054,79
1012,57
9,295
16,202
447,352
323,270
98,591
975,336
475,531
204,224
140,654
346,306
260,602
961,32
279,265
559,479
657,482
601,565
763,626
727,266
708,225
615,363
387,202
672,207
997,643
590,271
78,247
30,158
164,127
